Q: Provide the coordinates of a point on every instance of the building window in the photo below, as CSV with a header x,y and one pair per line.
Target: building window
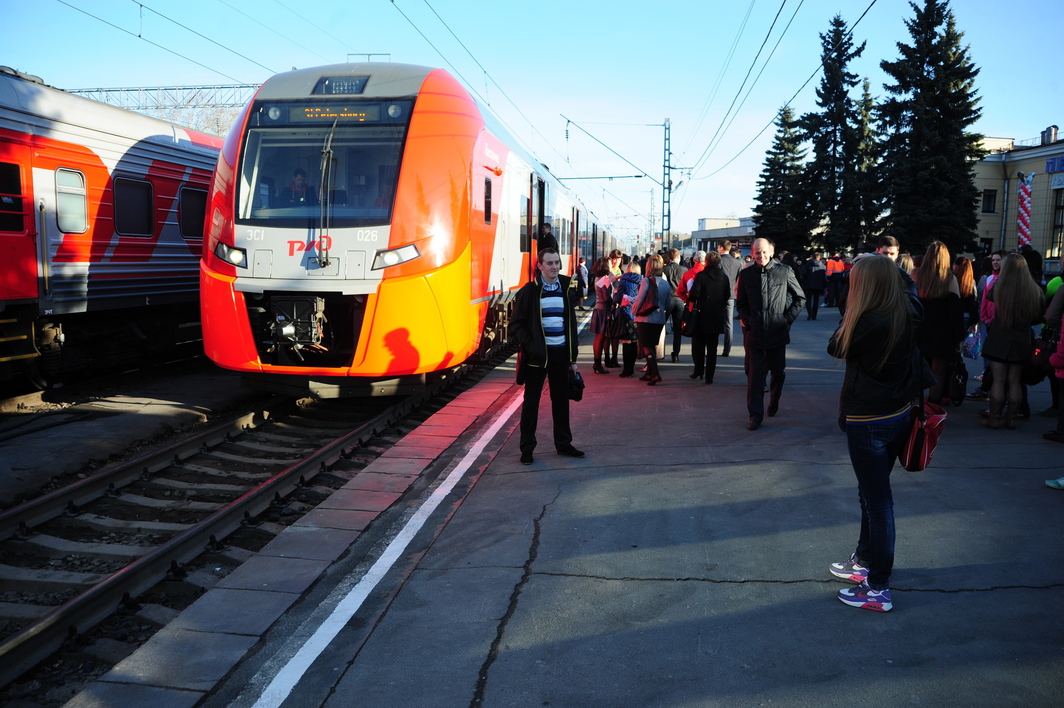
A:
x,y
71,202
133,202
11,217
989,201
1056,239
191,210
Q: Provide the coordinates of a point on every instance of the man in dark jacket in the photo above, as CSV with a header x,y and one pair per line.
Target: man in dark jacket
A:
x,y
814,281
731,266
769,299
544,326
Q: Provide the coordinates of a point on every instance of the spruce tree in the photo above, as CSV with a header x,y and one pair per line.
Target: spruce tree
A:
x,y
832,131
869,187
782,210
929,153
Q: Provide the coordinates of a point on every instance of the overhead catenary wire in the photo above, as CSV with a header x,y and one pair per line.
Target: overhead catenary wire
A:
x,y
789,101
718,134
202,36
719,80
711,149
154,44
271,29
469,85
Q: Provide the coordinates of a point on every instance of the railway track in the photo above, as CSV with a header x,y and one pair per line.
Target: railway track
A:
x,y
72,558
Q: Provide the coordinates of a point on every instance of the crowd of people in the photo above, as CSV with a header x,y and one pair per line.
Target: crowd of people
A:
x,y
901,330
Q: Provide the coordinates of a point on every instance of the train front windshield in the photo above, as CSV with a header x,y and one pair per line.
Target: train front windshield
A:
x,y
321,163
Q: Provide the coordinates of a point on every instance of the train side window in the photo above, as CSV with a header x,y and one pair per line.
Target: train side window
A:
x,y
487,200
133,201
526,242
71,202
11,216
191,209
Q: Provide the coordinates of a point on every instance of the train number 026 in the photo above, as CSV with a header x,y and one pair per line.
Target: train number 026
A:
x,y
367,235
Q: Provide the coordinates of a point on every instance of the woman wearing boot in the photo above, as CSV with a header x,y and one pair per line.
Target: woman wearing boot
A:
x,y
600,316
709,295
877,339
1018,306
649,308
627,288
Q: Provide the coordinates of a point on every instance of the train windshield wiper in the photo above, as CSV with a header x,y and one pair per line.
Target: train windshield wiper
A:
x,y
325,199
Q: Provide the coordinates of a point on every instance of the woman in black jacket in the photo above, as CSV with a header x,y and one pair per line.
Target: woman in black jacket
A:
x,y
943,330
709,298
877,338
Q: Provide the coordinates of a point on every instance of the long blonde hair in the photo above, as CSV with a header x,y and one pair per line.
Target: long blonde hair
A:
x,y
876,287
965,280
1017,297
934,274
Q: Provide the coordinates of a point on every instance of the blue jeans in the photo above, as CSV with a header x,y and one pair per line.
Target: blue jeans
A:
x,y
873,451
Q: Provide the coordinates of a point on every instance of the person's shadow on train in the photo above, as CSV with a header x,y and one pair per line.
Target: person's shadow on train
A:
x,y
405,357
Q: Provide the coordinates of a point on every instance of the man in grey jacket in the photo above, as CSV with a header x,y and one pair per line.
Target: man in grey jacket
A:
x,y
769,299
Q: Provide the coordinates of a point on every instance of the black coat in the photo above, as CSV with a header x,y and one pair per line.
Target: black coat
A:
x,y
943,329
710,293
866,391
526,325
768,299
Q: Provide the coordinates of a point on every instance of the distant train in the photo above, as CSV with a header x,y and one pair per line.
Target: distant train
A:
x,y
101,228
368,226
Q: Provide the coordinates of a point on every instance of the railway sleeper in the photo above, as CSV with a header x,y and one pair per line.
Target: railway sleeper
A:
x,y
53,547
254,477
43,580
219,455
201,486
106,523
20,612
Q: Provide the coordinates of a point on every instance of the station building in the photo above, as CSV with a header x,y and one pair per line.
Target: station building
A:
x,y
998,177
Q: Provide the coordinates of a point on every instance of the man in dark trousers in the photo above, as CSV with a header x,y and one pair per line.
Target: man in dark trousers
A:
x,y
544,326
769,299
731,267
672,274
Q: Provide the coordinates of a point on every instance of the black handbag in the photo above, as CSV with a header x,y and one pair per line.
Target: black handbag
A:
x,y
687,321
576,385
958,381
1037,366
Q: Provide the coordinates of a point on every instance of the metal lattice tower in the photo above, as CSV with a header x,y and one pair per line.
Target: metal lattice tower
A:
x,y
172,97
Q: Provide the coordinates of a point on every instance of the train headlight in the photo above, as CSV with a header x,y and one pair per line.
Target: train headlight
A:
x,y
234,256
395,110
394,257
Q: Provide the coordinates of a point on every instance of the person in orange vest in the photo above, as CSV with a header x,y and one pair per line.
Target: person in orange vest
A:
x,y
835,268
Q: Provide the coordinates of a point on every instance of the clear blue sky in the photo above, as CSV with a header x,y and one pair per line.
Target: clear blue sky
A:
x,y
618,69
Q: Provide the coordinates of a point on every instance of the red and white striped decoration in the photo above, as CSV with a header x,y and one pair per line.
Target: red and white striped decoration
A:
x,y
1023,227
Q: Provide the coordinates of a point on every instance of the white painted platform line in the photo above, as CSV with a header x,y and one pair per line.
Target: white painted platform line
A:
x,y
290,674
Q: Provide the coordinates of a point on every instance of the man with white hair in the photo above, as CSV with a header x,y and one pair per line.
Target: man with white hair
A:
x,y
769,299
688,278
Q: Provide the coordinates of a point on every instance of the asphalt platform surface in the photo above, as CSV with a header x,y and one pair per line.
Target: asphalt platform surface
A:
x,y
683,562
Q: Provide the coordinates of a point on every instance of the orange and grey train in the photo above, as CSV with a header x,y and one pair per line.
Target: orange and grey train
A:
x,y
101,226
368,226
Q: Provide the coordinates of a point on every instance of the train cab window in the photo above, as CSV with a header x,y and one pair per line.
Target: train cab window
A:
x,y
71,202
192,207
133,207
308,161
487,200
11,215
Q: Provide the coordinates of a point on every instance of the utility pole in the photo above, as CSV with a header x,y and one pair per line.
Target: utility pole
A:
x,y
666,193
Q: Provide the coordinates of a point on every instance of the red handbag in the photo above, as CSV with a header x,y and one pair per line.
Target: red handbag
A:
x,y
928,422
